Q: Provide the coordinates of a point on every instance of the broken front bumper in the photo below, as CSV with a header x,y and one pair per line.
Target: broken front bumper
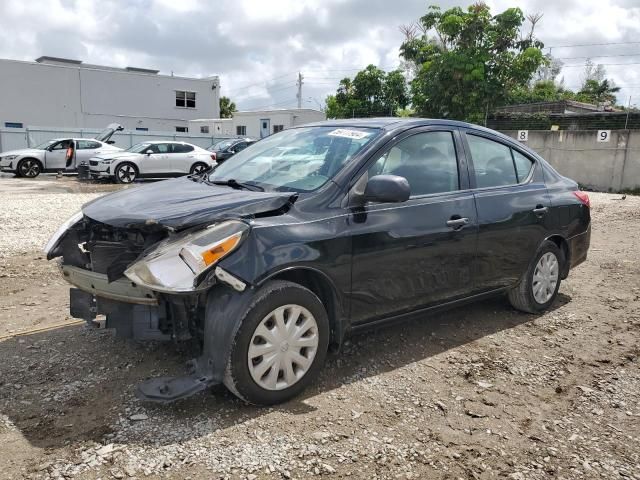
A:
x,y
121,290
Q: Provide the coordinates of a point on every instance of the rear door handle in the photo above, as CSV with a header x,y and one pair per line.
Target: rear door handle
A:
x,y
457,223
540,210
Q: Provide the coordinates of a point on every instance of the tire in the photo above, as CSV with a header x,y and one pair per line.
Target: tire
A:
x,y
29,168
126,173
536,290
198,168
269,350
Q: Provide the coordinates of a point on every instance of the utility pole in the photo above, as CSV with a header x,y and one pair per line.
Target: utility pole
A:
x,y
626,122
299,94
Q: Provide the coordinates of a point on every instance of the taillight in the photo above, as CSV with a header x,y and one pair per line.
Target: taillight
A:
x,y
213,156
583,197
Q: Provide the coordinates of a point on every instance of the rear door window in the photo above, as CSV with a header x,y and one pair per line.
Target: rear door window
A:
x,y
492,162
523,165
181,148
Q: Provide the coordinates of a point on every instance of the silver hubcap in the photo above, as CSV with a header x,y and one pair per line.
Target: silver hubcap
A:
x,y
29,168
198,169
283,347
126,174
545,278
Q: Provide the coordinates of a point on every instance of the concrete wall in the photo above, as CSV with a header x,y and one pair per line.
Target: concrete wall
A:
x,y
84,96
606,166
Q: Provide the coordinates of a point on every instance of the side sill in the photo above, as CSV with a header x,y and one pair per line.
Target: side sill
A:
x,y
412,315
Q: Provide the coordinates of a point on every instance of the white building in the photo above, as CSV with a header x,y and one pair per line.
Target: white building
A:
x,y
57,92
256,124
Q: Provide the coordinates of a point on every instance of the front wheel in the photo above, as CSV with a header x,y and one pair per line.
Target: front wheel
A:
x,y
126,173
29,168
281,345
539,286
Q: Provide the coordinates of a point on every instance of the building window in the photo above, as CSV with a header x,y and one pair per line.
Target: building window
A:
x,y
241,130
142,129
204,129
13,124
278,128
185,99
182,129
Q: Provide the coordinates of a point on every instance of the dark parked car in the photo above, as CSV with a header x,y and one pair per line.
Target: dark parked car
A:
x,y
267,261
229,147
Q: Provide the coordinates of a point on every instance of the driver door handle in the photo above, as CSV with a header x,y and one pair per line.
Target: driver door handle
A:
x,y
457,223
540,210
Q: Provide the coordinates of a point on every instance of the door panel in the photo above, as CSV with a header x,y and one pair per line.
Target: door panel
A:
x,y
407,257
421,252
56,157
509,230
158,162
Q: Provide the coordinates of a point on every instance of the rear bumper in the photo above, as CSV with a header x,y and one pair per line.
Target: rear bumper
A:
x,y
121,290
579,247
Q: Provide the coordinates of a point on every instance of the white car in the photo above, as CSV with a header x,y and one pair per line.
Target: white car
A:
x,y
55,156
152,160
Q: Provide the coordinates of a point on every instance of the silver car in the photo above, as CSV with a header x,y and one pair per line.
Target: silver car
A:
x,y
55,155
152,160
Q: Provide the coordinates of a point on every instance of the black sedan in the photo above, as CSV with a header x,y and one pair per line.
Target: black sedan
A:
x,y
315,232
229,147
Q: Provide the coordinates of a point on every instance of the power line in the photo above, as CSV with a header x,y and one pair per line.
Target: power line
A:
x,y
592,44
603,64
600,56
263,82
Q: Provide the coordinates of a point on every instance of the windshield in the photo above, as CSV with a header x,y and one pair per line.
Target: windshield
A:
x,y
43,146
297,160
138,147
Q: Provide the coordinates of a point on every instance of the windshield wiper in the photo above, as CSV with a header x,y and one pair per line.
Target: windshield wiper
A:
x,y
240,186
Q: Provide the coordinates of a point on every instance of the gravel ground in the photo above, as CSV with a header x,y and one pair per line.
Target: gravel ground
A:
x,y
477,392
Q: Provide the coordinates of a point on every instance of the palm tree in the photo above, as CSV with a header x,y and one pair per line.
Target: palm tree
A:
x,y
227,107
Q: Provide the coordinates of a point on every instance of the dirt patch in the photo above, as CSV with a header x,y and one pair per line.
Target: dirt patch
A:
x,y
477,392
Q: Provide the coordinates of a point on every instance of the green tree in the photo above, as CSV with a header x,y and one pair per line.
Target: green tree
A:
x,y
227,107
474,61
371,92
541,91
598,92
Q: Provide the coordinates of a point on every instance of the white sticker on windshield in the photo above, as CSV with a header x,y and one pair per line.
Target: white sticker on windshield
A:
x,y
343,132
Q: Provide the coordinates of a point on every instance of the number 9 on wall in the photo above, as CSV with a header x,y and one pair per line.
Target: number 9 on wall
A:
x,y
604,135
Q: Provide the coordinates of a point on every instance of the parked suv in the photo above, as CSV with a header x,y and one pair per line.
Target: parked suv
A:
x,y
268,260
59,154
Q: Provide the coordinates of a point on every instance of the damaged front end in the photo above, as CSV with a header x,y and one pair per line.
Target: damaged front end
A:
x,y
151,283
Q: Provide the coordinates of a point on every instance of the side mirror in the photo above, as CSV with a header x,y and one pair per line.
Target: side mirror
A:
x,y
387,189
231,150
111,142
149,152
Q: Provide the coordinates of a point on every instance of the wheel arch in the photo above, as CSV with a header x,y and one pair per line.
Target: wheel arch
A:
x,y
562,243
324,288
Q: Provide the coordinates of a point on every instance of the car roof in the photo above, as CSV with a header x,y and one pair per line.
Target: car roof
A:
x,y
393,123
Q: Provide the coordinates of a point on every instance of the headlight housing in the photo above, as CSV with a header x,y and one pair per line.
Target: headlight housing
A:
x,y
178,264
55,239
10,157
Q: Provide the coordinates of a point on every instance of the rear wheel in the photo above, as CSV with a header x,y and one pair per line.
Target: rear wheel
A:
x,y
29,168
126,173
199,168
280,346
539,286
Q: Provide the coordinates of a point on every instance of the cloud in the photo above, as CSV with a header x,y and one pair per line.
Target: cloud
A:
x,y
257,47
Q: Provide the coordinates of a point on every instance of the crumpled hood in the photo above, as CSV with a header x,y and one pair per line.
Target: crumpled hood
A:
x,y
23,151
180,203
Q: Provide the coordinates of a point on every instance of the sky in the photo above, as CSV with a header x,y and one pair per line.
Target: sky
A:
x,y
257,47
